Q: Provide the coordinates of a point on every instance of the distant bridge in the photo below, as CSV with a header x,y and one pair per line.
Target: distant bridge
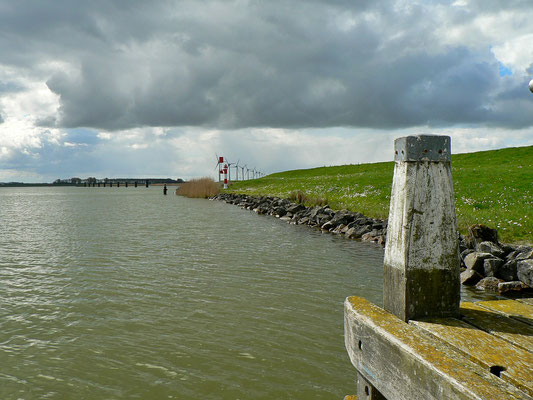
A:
x,y
126,182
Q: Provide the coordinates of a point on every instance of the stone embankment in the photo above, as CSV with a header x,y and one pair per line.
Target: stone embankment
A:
x,y
485,263
493,266
352,225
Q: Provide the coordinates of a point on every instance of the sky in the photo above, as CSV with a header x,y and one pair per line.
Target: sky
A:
x,y
159,88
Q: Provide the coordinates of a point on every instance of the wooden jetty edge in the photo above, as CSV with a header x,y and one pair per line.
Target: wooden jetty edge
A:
x,y
424,344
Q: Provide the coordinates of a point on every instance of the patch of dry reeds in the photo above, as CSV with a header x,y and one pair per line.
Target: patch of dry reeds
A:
x,y
300,197
198,188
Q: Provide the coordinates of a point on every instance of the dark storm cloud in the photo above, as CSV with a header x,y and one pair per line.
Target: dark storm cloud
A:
x,y
235,64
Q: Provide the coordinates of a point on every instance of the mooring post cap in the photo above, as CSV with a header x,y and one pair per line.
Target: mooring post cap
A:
x,y
422,148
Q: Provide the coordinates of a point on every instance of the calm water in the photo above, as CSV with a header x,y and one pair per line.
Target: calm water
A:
x,y
115,293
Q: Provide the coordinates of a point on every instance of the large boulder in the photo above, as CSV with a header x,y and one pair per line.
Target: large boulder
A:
x,y
470,277
525,253
525,272
372,236
343,217
358,232
491,266
481,233
489,284
508,271
514,286
295,208
303,221
490,247
476,260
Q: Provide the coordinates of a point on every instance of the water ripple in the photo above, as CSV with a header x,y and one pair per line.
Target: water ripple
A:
x,y
125,293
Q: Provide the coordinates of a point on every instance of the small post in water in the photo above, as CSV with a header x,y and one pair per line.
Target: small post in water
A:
x,y
421,264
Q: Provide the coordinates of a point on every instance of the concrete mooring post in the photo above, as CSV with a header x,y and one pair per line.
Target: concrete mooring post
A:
x,y
421,264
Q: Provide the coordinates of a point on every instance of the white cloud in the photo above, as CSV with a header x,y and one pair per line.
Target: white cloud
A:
x,y
516,53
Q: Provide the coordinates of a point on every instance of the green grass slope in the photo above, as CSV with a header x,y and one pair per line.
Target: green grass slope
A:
x,y
494,188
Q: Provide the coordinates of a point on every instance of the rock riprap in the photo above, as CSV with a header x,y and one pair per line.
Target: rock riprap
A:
x,y
490,265
350,224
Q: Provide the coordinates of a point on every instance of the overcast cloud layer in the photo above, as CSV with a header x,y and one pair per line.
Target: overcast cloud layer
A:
x,y
135,88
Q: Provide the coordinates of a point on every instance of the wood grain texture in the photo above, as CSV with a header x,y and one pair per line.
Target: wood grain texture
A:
x,y
403,361
421,254
515,309
510,329
484,349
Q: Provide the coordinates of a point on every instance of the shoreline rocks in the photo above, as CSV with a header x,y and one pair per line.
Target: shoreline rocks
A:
x,y
486,263
352,225
492,266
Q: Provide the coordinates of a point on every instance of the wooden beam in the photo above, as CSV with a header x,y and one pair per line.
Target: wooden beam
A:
x,y
405,363
512,364
498,324
519,310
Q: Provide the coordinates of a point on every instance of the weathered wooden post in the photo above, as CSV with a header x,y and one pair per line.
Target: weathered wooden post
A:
x,y
421,264
421,276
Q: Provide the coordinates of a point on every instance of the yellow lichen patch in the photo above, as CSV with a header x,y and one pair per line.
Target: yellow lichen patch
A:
x,y
485,349
527,301
350,397
497,324
517,309
430,356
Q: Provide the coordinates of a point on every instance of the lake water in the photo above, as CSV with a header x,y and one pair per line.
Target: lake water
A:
x,y
123,293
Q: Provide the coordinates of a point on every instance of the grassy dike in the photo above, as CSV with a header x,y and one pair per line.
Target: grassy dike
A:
x,y
494,188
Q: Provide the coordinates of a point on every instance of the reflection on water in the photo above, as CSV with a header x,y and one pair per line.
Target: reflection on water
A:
x,y
109,293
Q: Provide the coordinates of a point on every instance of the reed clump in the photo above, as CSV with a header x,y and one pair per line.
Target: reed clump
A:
x,y
298,196
201,188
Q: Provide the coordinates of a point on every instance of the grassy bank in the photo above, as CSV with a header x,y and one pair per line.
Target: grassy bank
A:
x,y
491,187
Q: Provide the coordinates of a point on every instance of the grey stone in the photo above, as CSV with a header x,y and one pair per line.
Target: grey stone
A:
x,y
475,260
481,233
321,219
525,254
491,266
490,247
470,277
508,271
303,221
489,284
464,253
350,233
525,272
345,229
371,236
508,248
296,208
313,212
338,229
328,226
515,286
358,232
343,217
